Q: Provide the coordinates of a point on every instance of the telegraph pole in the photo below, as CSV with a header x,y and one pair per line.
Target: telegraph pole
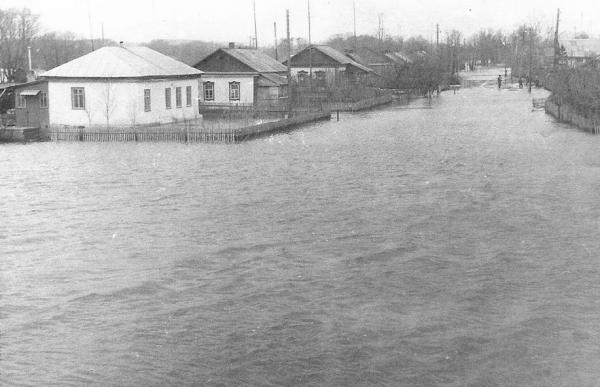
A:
x,y
530,55
255,30
556,44
309,48
437,35
91,28
289,62
275,32
354,13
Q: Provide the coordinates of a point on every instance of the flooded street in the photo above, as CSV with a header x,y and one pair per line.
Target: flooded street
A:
x,y
448,243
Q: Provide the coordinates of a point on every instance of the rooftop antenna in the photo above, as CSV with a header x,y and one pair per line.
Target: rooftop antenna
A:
x,y
275,32
255,30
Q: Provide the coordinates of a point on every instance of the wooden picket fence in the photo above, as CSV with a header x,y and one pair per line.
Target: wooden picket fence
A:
x,y
182,135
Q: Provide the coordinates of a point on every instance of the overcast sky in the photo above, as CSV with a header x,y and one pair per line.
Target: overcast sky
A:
x,y
231,20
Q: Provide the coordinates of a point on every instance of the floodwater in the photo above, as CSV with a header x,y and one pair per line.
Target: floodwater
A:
x,y
447,243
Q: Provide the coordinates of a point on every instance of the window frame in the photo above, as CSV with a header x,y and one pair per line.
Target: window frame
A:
x,y
178,99
147,100
188,96
21,102
168,98
77,97
231,89
44,99
207,89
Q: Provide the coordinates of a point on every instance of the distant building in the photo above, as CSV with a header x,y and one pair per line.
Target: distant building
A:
x,y
112,86
329,67
385,63
241,77
580,51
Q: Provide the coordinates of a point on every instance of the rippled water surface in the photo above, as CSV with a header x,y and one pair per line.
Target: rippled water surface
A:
x,y
456,245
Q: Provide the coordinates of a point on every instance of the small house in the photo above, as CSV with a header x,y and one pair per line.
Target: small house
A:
x,y
329,68
241,77
112,86
580,51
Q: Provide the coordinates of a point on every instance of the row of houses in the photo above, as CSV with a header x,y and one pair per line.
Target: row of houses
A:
x,y
123,86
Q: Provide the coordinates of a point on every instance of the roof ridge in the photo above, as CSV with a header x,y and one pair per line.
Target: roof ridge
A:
x,y
145,59
112,52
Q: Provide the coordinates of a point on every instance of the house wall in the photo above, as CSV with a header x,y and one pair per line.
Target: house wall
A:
x,y
221,88
124,99
32,114
333,75
268,96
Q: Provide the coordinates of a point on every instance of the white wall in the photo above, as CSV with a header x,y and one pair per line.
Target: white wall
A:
x,y
222,89
125,101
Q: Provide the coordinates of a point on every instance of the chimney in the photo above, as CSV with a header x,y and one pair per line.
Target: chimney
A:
x,y
29,58
231,44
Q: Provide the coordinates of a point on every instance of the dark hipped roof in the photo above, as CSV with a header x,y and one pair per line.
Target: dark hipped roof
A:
x,y
122,62
338,57
258,61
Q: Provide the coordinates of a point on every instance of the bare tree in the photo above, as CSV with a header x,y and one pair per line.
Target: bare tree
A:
x,y
17,30
108,102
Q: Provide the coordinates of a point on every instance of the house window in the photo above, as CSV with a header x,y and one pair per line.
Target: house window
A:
x,y
43,99
282,91
188,96
302,75
147,100
234,91
209,91
77,98
168,98
178,97
320,75
21,102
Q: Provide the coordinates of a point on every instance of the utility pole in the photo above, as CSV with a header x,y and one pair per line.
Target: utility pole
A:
x,y
556,44
289,62
102,25
309,49
530,55
354,13
255,29
437,35
380,30
275,32
91,29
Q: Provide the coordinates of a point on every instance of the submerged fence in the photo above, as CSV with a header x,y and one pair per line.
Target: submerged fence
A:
x,y
182,135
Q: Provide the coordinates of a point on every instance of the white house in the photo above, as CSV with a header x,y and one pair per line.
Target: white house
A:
x,y
112,86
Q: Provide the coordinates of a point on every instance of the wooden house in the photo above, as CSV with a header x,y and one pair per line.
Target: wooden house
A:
x,y
580,51
234,77
329,67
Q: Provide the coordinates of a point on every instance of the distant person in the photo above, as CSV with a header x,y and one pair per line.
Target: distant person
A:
x,y
505,73
499,81
520,82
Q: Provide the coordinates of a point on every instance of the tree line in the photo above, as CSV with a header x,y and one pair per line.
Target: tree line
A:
x,y
432,62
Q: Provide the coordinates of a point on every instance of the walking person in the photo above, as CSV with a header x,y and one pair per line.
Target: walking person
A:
x,y
499,81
